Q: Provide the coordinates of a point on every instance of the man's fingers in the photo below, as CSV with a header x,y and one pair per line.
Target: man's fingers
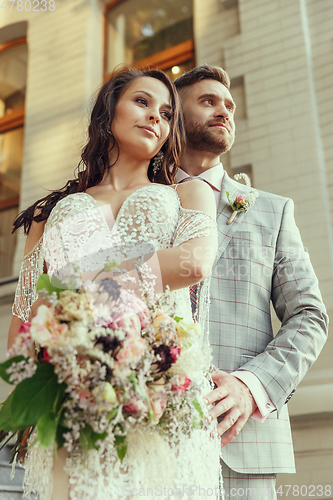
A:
x,y
229,420
223,406
216,395
233,431
218,376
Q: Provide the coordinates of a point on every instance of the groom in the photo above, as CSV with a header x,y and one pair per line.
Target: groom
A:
x,y
260,260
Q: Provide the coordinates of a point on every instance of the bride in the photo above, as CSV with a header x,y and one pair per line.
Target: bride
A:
x,y
125,190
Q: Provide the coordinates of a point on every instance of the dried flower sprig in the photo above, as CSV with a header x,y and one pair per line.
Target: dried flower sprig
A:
x,y
241,203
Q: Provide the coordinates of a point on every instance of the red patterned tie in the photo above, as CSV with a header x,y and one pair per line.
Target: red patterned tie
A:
x,y
193,297
193,288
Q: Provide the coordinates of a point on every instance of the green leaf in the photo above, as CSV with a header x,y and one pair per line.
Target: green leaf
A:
x,y
97,437
177,318
112,413
3,435
121,446
6,415
62,418
60,440
59,398
197,406
35,397
61,428
197,423
5,438
50,285
132,378
143,395
228,196
4,366
110,266
88,438
47,429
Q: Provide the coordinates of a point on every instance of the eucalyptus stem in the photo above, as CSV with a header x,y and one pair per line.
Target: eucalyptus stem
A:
x,y
7,440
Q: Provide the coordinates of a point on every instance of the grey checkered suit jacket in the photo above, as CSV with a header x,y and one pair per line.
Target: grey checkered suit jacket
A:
x,y
261,260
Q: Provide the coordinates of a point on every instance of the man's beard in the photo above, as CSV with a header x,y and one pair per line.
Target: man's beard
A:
x,y
201,138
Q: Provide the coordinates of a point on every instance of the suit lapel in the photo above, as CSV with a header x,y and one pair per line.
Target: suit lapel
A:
x,y
224,211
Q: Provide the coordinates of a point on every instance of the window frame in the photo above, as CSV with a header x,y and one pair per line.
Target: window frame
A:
x,y
9,122
165,59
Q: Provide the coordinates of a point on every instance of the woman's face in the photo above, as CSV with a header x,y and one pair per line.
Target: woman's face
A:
x,y
141,124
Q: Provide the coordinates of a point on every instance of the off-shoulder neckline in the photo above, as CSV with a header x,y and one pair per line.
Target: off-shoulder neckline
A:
x,y
174,189
152,185
146,186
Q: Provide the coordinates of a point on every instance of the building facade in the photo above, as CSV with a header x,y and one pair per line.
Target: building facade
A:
x,y
279,56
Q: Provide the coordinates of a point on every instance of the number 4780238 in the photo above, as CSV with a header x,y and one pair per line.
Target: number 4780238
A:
x,y
303,490
28,5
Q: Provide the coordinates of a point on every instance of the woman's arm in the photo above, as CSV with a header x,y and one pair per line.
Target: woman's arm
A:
x,y
34,235
191,261
191,258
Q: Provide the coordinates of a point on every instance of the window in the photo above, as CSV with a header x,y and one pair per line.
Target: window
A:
x,y
144,33
13,73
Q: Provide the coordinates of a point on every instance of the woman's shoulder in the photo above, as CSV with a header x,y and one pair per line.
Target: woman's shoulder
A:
x,y
193,187
196,194
186,191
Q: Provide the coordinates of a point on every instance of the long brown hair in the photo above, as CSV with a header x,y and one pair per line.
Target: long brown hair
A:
x,y
94,161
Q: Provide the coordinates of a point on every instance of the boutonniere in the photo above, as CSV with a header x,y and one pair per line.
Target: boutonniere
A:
x,y
239,202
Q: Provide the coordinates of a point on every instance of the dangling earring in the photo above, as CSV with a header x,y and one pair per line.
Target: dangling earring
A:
x,y
157,162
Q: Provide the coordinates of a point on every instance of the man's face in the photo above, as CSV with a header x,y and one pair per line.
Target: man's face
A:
x,y
209,116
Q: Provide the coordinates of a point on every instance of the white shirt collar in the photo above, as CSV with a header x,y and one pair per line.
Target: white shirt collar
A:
x,y
213,175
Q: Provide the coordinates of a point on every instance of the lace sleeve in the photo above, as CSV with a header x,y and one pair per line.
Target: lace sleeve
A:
x,y
26,291
193,224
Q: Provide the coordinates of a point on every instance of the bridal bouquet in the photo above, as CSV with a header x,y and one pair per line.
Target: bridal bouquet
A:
x,y
96,361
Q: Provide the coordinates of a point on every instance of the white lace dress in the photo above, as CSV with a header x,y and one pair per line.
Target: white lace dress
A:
x,y
80,230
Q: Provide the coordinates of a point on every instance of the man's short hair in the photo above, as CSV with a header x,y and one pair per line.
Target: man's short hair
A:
x,y
203,72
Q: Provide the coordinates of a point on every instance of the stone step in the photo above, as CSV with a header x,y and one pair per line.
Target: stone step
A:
x,y
5,474
5,453
10,489
10,495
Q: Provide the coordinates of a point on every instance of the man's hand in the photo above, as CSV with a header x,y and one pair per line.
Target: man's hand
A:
x,y
234,398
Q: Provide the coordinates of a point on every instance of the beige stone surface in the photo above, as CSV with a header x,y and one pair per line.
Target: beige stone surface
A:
x,y
313,445
65,63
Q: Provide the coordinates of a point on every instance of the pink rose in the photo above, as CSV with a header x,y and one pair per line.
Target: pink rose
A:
x,y
164,325
132,349
240,198
46,358
24,328
183,384
144,317
130,324
175,352
45,329
158,400
136,406
85,394
85,397
41,324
